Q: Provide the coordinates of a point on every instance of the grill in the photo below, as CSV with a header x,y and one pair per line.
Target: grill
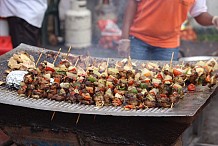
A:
x,y
188,106
153,126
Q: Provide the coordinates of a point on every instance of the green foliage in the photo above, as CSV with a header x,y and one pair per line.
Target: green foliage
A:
x,y
207,34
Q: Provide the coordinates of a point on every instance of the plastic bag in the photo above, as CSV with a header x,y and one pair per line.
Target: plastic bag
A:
x,y
110,34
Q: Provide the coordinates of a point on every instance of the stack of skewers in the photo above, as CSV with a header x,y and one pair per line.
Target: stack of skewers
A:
x,y
124,83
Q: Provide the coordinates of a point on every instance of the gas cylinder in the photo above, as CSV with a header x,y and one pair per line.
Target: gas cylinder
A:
x,y
78,25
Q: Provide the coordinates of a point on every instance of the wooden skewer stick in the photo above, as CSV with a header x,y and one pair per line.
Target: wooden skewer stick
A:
x,y
106,69
172,105
182,64
136,61
39,58
88,53
171,61
68,52
76,62
108,62
94,117
129,58
87,63
77,119
130,62
57,56
52,117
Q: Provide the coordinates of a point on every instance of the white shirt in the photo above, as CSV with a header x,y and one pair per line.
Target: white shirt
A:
x,y
31,11
198,8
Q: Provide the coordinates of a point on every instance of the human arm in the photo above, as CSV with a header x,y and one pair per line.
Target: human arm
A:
x,y
199,12
129,14
128,18
204,19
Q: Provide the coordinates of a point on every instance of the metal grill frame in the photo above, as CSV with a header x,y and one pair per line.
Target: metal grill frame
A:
x,y
189,106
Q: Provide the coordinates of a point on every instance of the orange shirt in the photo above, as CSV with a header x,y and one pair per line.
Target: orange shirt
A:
x,y
158,22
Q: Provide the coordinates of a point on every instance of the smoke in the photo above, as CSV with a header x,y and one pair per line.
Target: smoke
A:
x,y
94,50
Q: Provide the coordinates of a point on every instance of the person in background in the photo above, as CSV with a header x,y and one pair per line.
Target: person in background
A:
x,y
151,28
24,19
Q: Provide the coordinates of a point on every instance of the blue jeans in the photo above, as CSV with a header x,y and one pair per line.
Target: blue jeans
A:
x,y
143,51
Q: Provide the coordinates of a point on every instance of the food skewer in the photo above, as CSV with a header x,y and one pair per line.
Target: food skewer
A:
x,y
52,117
171,65
106,73
75,66
54,63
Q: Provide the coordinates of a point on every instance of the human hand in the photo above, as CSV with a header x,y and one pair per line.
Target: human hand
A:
x,y
215,21
124,47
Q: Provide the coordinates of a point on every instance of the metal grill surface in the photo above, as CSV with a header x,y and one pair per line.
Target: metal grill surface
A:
x,y
190,105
